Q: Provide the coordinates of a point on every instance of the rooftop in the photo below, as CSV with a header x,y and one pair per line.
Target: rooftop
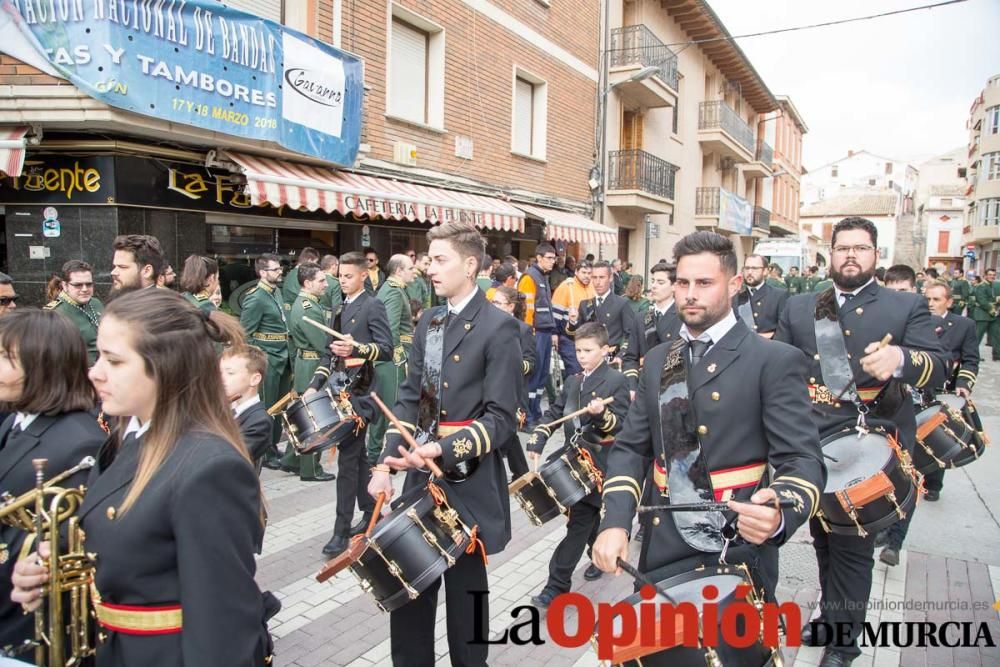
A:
x,y
852,204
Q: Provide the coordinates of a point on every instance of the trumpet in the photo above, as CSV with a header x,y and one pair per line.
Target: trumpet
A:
x,y
47,512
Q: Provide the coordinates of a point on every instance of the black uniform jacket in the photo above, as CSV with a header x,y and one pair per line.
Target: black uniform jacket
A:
x,y
528,362
366,321
748,407
189,539
766,306
255,426
64,440
957,334
661,328
865,319
481,367
625,332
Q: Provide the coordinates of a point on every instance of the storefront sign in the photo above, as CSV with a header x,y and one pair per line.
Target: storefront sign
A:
x,y
201,63
57,179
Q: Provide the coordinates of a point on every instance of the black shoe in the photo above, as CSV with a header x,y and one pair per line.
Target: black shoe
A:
x,y
362,525
543,599
932,495
833,658
336,545
593,573
810,639
889,556
321,476
273,464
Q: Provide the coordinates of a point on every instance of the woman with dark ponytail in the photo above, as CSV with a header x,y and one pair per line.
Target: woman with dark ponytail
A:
x,y
173,508
199,279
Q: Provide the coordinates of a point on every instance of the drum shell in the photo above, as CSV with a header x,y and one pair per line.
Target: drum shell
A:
x,y
945,442
537,502
317,422
402,542
680,587
877,514
567,479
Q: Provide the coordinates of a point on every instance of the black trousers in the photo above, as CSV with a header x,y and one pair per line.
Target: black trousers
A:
x,y
581,531
412,625
353,475
897,532
845,579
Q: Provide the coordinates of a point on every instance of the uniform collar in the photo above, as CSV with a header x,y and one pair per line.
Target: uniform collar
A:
x,y
24,419
664,311
264,286
856,292
311,297
396,282
240,408
135,428
460,306
714,333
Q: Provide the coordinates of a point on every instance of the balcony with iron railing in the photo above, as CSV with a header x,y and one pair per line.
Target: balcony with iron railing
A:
x,y
761,220
762,165
635,48
637,179
719,209
722,130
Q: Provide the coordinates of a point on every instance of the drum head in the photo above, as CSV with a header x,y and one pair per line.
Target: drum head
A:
x,y
956,403
850,459
928,412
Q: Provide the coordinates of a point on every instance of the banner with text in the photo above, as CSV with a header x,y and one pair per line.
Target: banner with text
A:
x,y
198,62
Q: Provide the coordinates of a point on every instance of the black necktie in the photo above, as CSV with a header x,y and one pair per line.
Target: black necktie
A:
x,y
598,301
698,350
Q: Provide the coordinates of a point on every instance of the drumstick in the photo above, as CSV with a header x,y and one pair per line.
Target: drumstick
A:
x,y
704,507
643,579
579,412
404,432
281,403
376,513
886,339
335,334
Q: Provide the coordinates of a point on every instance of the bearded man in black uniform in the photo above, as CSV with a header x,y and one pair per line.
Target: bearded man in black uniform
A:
x,y
852,373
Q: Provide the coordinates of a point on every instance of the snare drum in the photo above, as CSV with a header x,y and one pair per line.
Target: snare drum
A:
x,y
319,421
942,435
559,484
869,485
976,443
689,588
409,550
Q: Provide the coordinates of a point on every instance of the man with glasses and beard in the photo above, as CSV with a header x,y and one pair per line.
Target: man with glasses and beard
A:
x,y
759,302
77,302
263,320
855,380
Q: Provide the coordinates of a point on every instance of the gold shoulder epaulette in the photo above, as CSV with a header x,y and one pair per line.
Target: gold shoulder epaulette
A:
x,y
306,304
51,305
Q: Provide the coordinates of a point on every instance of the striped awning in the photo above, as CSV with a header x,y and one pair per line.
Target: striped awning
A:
x,y
571,227
12,147
303,186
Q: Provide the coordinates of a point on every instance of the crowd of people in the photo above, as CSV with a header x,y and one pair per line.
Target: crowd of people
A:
x,y
711,382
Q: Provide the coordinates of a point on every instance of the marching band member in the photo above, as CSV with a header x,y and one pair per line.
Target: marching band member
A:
x,y
76,301
243,369
465,361
595,432
199,280
715,410
839,330
173,506
506,299
362,319
662,323
51,420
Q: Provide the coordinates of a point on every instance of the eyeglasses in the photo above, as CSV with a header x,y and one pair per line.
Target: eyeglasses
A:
x,y
7,300
853,249
549,257
81,285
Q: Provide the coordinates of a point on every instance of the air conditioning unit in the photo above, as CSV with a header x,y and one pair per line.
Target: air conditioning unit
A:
x,y
404,153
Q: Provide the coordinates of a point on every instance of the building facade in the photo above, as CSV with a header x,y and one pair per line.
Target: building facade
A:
x,y
981,232
781,194
940,205
882,208
860,171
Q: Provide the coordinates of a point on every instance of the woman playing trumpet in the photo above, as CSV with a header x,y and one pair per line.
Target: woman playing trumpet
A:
x,y
173,507
43,382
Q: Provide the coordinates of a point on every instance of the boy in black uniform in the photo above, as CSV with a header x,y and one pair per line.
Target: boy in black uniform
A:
x,y
594,433
243,369
466,361
840,330
716,418
363,321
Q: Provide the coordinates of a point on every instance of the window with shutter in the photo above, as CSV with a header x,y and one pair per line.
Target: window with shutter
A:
x,y
408,72
943,241
268,9
524,94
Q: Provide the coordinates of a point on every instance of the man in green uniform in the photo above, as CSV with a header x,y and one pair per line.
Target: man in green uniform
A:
x,y
77,302
308,342
985,297
263,319
390,373
774,278
290,287
419,288
795,282
961,290
333,296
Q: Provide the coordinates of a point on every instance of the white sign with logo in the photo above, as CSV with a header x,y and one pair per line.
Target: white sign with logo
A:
x,y
313,87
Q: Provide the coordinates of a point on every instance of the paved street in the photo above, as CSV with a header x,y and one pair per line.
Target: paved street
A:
x,y
952,553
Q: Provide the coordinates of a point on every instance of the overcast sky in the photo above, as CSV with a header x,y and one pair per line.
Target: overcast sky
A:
x,y
899,86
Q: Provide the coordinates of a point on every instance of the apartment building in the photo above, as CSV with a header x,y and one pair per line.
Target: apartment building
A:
x,y
981,232
940,206
781,194
858,172
683,148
